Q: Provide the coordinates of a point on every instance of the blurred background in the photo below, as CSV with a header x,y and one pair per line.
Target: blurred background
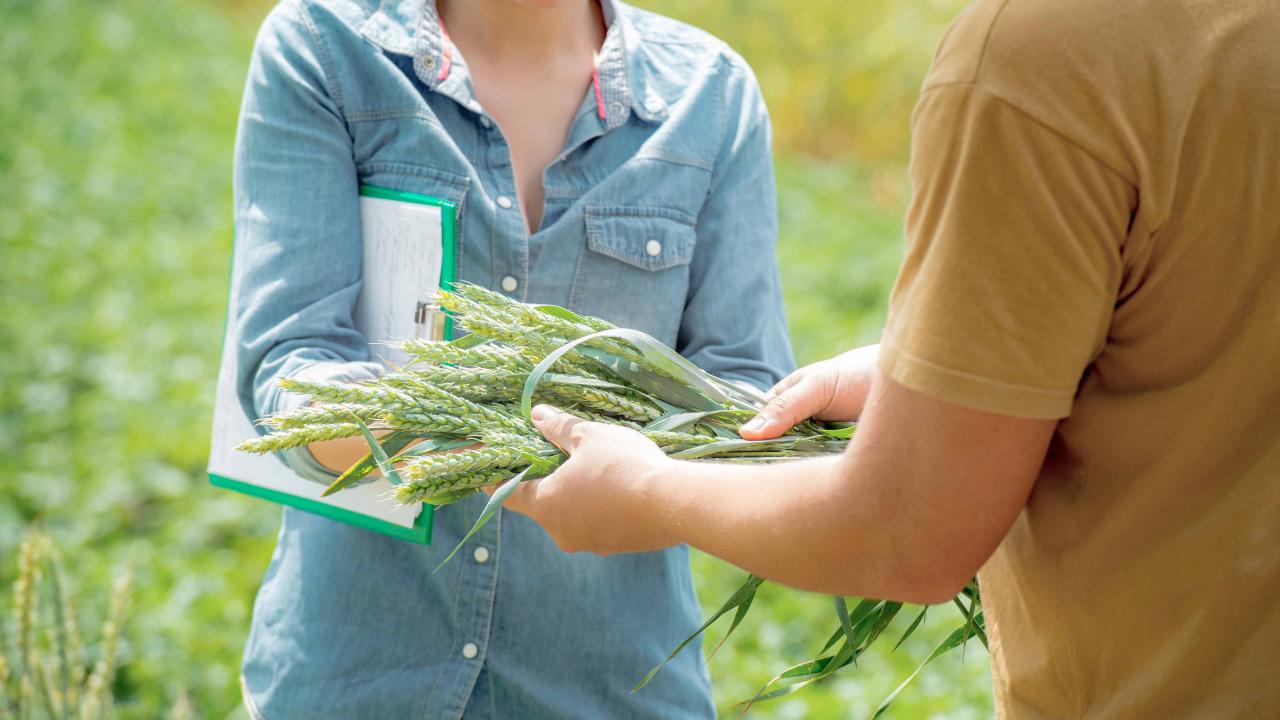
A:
x,y
117,122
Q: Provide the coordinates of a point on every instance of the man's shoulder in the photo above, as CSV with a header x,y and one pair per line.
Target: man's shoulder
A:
x,y
999,42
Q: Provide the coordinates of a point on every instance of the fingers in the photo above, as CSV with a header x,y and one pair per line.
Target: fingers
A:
x,y
523,499
798,402
557,426
787,382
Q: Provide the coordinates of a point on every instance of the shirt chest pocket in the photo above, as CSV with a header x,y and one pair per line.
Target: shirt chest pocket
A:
x,y
634,270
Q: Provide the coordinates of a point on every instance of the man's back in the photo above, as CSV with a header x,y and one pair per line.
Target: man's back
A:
x,y
1096,237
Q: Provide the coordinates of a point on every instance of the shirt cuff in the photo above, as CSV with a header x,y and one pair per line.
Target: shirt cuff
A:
x,y
299,459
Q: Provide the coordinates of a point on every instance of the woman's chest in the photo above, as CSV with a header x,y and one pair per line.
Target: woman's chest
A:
x,y
620,214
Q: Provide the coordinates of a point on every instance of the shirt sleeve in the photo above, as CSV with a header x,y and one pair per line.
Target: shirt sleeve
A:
x,y
298,255
734,323
1013,261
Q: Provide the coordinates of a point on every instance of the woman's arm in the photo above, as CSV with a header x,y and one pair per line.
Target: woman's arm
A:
x,y
297,219
734,325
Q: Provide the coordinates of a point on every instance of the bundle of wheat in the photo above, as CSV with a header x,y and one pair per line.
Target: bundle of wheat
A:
x,y
456,419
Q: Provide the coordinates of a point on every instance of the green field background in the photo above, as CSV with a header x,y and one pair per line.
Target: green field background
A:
x,y
116,128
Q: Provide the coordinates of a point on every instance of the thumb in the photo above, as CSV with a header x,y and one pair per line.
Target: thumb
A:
x,y
557,426
794,404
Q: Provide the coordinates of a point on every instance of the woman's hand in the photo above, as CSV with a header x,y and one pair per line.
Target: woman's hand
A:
x,y
602,498
834,389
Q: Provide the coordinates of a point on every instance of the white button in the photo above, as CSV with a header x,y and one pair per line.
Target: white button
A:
x,y
485,122
469,651
504,202
481,554
509,284
653,247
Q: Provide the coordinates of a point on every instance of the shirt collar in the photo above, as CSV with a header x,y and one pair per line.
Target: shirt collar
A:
x,y
412,27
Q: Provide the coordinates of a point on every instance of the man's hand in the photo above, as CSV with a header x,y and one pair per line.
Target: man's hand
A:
x,y
601,499
834,389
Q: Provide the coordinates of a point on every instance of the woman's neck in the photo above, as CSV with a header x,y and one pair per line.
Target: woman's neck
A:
x,y
504,30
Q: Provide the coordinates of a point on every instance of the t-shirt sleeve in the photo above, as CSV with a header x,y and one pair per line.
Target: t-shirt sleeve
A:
x,y
1013,259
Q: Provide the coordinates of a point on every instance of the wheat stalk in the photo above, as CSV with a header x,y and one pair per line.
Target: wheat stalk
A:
x,y
435,352
49,679
297,437
98,687
321,414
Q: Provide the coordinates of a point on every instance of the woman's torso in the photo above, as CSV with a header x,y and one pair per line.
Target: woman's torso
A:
x,y
353,624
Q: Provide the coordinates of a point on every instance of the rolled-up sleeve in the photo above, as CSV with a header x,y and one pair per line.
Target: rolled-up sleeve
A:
x,y
297,263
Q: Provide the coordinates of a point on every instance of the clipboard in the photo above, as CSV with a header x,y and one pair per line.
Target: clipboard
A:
x,y
406,236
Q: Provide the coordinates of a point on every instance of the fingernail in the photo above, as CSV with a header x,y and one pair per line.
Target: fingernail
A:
x,y
541,412
756,423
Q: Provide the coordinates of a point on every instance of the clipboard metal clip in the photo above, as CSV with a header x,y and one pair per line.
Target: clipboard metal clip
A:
x,y
429,322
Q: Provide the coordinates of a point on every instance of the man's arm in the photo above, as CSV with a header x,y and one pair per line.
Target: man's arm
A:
x,y
919,501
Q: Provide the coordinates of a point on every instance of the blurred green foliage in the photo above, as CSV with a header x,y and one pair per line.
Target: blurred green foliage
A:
x,y
118,123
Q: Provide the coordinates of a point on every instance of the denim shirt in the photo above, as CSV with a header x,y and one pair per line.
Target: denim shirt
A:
x,y
660,215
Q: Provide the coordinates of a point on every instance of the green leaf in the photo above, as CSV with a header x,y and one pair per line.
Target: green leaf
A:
x,y
804,674
737,620
843,433
743,594
887,612
860,613
379,455
862,622
911,628
564,379
490,509
954,640
661,387
391,443
842,614
679,420
724,446
665,360
970,619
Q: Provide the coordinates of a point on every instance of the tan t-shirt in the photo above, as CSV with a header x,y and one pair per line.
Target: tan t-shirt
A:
x,y
1095,236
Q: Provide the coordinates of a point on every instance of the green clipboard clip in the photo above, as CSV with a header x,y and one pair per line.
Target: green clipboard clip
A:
x,y
266,477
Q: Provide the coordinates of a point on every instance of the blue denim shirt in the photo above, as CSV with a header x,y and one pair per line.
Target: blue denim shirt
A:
x,y
672,145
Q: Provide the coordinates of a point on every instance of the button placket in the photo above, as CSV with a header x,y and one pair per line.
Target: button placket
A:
x,y
512,252
475,610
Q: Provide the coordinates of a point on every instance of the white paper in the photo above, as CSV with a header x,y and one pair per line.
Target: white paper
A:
x,y
403,254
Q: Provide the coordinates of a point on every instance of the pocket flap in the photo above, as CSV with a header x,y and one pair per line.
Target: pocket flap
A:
x,y
648,238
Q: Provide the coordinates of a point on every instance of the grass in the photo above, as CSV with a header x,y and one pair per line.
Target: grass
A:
x,y
118,122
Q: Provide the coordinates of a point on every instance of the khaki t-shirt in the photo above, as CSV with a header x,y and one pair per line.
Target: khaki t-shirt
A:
x,y
1095,236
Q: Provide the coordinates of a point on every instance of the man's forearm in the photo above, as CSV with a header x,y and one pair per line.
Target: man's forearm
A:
x,y
806,523
923,495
